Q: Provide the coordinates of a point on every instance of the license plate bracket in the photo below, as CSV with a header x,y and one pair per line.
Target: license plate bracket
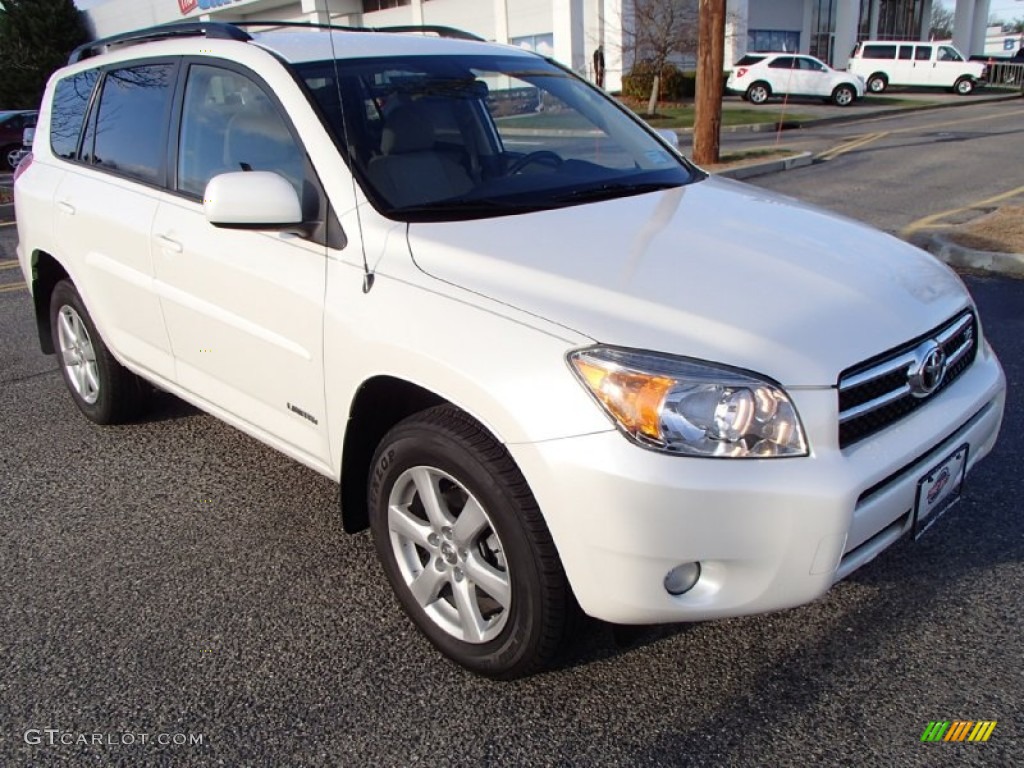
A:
x,y
939,489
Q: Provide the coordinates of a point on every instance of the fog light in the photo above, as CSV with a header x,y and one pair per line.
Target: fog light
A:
x,y
682,578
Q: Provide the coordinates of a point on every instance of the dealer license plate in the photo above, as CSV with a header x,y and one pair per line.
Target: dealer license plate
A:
x,y
939,489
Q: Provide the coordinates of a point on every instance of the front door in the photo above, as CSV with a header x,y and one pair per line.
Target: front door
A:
x,y
244,308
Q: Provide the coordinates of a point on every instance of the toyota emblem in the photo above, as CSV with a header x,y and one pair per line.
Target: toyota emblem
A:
x,y
928,369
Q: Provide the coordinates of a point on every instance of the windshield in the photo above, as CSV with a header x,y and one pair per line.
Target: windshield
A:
x,y
443,138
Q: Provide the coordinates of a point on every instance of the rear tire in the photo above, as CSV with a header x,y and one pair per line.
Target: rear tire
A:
x,y
758,93
964,86
104,390
877,83
465,547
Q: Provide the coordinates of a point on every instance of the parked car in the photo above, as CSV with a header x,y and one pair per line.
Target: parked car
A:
x,y
759,76
12,126
884,63
552,368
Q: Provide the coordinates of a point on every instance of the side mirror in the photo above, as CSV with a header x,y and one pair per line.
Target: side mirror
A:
x,y
668,135
252,200
27,136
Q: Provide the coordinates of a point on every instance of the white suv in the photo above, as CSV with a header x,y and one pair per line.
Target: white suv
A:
x,y
759,76
552,364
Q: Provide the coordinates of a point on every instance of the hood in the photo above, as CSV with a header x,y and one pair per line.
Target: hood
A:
x,y
715,270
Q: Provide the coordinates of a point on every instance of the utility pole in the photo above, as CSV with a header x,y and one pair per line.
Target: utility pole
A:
x,y
710,65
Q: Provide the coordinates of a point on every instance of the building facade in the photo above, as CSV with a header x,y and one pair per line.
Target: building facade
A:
x,y
572,30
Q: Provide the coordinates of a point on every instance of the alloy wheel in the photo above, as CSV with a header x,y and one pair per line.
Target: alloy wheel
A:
x,y
78,356
449,554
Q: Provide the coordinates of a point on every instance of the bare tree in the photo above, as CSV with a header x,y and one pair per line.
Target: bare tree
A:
x,y
658,31
942,23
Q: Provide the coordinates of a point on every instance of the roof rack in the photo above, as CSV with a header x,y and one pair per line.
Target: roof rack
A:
x,y
233,31
210,29
437,29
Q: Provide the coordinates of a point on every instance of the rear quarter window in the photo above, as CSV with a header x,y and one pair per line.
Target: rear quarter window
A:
x,y
748,61
879,52
70,102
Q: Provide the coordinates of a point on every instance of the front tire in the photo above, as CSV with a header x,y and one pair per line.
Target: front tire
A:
x,y
465,547
104,390
758,93
844,95
964,86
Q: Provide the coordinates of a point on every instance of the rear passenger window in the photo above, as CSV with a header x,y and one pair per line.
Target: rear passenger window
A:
x,y
131,123
783,62
923,53
230,124
70,102
906,52
879,52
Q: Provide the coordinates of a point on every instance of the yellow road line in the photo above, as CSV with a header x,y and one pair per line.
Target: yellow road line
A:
x,y
12,287
7,223
9,264
932,221
850,145
930,125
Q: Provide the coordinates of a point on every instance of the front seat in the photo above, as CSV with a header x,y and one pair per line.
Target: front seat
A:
x,y
410,170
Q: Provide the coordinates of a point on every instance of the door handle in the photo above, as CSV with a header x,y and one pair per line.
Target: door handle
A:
x,y
169,244
66,207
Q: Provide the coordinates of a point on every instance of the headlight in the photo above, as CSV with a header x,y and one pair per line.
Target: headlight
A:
x,y
687,407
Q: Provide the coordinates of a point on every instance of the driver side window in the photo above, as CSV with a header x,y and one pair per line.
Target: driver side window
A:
x,y
228,123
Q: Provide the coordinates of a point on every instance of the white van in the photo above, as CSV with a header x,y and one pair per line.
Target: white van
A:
x,y
896,62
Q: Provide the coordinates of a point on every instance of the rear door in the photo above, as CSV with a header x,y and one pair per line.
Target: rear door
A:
x,y
922,73
244,308
784,75
106,201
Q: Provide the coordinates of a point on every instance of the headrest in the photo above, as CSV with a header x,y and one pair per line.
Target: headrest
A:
x,y
256,137
407,129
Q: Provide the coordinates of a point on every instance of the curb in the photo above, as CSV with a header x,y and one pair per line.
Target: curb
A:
x,y
768,166
1009,264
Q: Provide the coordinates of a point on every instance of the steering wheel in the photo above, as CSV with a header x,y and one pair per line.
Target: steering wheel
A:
x,y
543,156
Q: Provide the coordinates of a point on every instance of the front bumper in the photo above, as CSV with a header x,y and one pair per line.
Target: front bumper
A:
x,y
768,533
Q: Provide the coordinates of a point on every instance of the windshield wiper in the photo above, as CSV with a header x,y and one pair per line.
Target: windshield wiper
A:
x,y
465,208
609,191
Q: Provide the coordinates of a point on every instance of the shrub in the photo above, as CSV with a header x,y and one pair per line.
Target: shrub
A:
x,y
676,84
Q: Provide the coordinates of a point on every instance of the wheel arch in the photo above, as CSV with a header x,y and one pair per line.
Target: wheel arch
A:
x,y
46,273
379,404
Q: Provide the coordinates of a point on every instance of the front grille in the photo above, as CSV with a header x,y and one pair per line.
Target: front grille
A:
x,y
878,392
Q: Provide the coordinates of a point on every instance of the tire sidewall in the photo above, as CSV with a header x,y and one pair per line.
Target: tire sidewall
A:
x,y
964,86
877,84
418,445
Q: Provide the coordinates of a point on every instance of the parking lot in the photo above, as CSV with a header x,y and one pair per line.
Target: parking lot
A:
x,y
186,595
